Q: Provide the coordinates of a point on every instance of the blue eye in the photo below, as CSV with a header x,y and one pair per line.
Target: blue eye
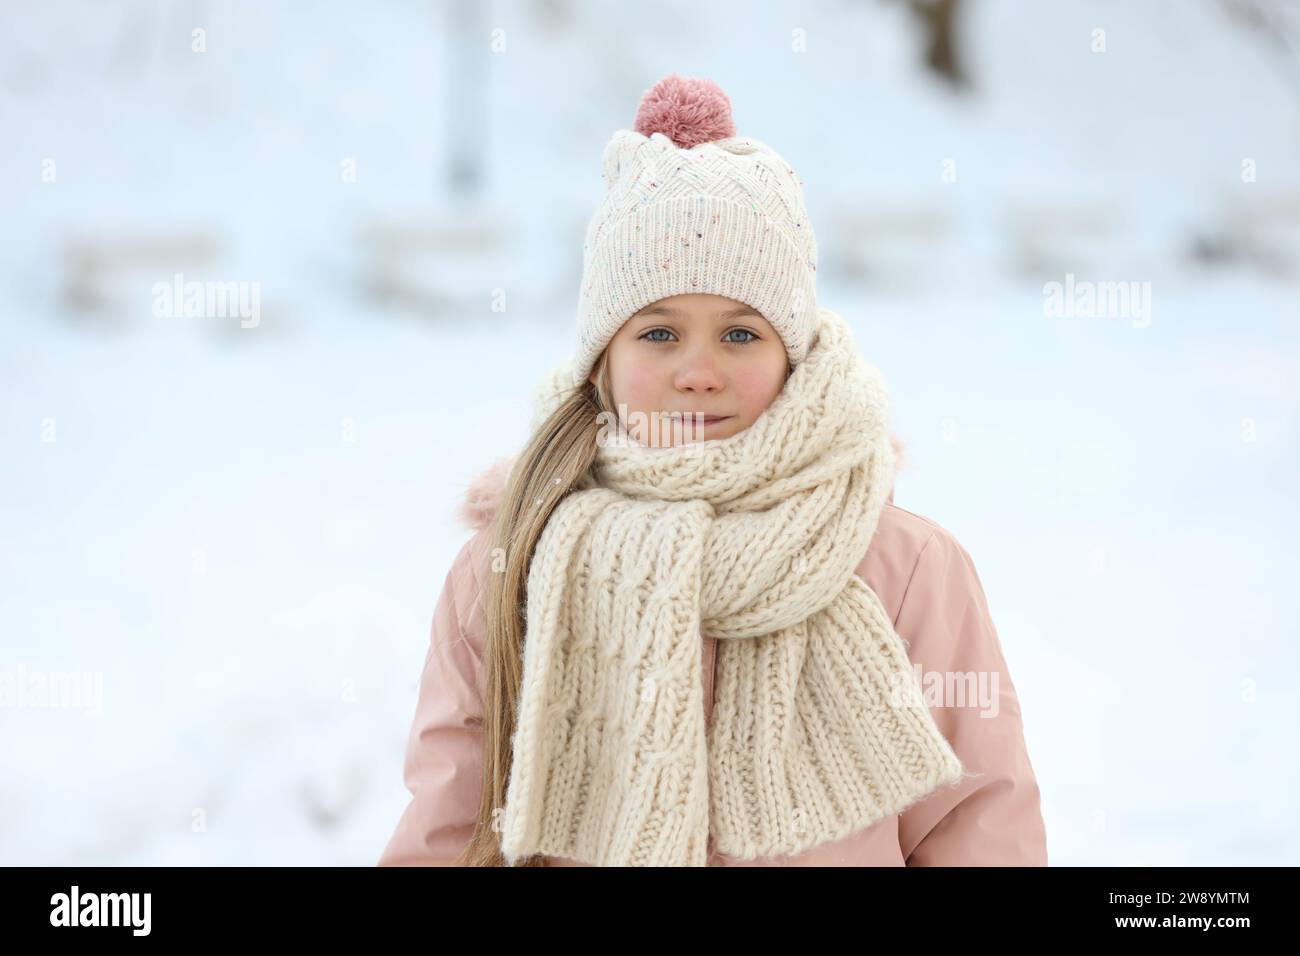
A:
x,y
647,336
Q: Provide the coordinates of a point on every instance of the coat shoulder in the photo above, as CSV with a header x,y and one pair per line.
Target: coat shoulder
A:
x,y
895,551
473,564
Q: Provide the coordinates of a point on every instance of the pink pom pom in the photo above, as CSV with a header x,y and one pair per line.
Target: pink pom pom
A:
x,y
687,111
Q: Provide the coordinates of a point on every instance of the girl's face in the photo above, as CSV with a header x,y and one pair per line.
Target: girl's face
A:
x,y
694,353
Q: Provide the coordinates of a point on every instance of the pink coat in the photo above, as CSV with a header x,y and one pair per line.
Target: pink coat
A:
x,y
927,583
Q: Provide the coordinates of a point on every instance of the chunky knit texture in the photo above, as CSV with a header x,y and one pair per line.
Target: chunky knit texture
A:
x,y
819,727
682,215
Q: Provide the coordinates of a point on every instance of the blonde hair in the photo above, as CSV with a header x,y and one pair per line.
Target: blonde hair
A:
x,y
558,454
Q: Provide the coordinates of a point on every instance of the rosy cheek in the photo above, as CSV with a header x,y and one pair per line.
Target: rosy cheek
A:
x,y
755,388
638,385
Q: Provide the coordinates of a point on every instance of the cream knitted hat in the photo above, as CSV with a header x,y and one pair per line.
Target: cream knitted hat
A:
x,y
691,207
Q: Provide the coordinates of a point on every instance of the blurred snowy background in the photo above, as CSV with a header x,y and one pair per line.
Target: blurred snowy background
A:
x,y
242,529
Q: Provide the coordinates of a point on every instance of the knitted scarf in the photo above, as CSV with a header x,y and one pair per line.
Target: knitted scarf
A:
x,y
819,728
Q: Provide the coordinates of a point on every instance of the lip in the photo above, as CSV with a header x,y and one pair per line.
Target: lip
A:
x,y
706,419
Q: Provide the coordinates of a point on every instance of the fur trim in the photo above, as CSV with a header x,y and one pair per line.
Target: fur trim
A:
x,y
900,457
483,496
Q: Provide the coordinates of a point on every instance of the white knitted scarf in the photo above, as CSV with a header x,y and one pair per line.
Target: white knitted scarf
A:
x,y
819,728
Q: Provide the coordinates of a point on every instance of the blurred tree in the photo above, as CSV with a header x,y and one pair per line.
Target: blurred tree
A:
x,y
943,50
1277,25
466,97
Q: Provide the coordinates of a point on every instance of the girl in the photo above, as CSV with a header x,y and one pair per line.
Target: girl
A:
x,y
689,626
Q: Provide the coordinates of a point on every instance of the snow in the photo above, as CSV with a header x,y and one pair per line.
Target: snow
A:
x,y
244,531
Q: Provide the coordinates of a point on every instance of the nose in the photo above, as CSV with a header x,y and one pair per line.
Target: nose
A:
x,y
699,374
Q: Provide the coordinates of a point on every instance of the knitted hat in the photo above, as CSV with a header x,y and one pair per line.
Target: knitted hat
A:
x,y
691,207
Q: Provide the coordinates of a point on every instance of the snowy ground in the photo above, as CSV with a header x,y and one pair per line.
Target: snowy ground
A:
x,y
244,530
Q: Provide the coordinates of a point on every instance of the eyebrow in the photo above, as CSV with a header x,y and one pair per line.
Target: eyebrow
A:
x,y
726,316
